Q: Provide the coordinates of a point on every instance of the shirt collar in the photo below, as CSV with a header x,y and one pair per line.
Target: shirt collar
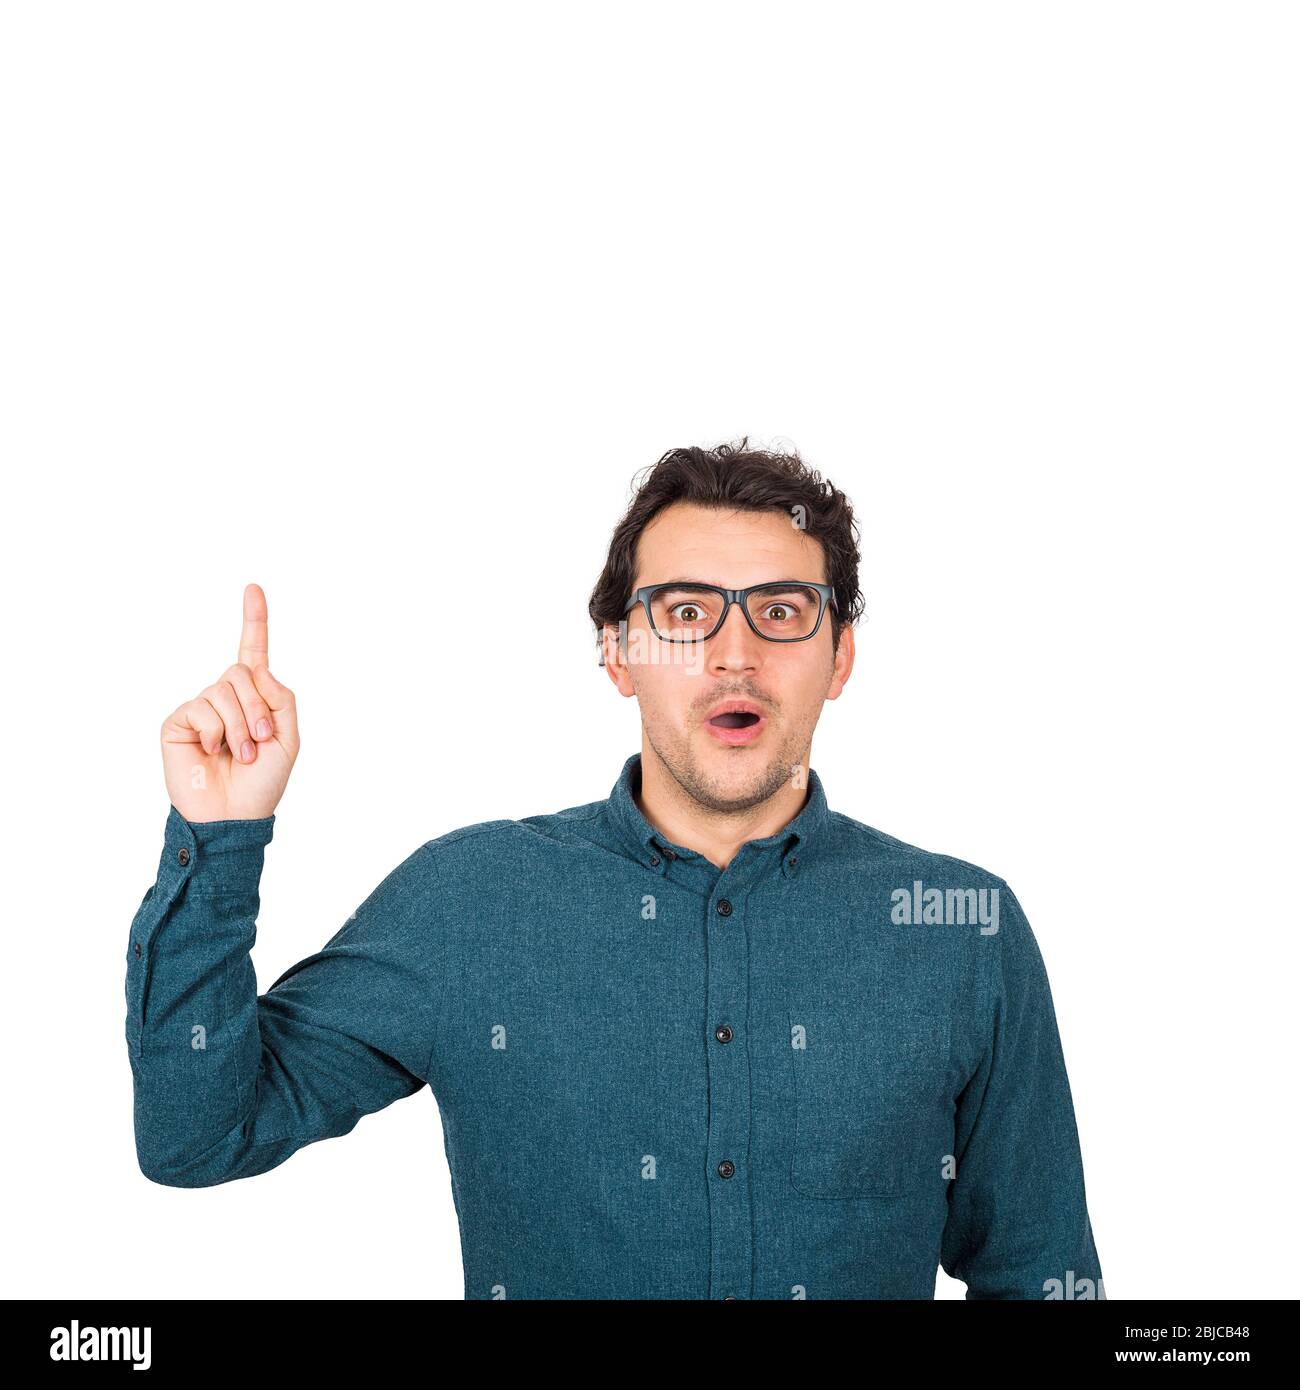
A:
x,y
651,846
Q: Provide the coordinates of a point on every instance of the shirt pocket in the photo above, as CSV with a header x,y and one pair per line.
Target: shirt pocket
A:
x,y
869,1101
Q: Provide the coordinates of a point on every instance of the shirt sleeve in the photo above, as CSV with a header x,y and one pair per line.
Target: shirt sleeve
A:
x,y
229,1083
1018,1224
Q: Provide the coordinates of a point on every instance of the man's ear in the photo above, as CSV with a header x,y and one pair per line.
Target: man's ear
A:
x,y
844,654
614,656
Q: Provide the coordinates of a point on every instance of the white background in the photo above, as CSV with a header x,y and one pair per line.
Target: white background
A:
x,y
358,301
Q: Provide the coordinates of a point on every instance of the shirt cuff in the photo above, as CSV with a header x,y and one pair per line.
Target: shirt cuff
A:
x,y
218,856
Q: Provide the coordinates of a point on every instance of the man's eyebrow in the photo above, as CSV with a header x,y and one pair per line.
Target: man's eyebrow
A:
x,y
710,584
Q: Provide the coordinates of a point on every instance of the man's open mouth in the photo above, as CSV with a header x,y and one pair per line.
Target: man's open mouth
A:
x,y
735,719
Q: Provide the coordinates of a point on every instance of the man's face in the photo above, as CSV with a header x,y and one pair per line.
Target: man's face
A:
x,y
678,686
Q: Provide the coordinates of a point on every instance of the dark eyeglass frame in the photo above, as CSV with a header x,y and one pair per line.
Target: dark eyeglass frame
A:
x,y
825,597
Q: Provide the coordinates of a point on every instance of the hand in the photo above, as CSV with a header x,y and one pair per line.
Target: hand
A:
x,y
227,753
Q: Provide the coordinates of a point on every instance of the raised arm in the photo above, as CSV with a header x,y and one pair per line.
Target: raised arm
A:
x,y
228,1083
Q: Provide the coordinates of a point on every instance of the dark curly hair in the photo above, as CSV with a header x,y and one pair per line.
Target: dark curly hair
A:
x,y
734,476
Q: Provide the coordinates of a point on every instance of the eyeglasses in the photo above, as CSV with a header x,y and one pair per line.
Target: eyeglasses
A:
x,y
788,610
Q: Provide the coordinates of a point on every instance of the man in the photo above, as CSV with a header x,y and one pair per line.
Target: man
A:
x,y
706,1038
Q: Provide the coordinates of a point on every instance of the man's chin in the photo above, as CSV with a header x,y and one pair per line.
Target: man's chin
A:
x,y
737,778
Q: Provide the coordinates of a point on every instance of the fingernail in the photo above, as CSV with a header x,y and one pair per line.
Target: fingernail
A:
x,y
264,728
247,752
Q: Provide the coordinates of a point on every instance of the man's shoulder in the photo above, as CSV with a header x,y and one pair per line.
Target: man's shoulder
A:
x,y
855,841
503,837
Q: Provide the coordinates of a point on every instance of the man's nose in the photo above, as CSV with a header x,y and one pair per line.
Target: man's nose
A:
x,y
735,646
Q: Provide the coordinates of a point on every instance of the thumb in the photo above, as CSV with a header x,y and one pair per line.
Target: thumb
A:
x,y
280,699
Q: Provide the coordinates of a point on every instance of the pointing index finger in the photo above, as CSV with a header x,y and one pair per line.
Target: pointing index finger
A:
x,y
252,641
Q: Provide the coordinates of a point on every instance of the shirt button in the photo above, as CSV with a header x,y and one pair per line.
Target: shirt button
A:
x,y
794,859
724,907
137,950
183,855
726,1168
654,861
723,1033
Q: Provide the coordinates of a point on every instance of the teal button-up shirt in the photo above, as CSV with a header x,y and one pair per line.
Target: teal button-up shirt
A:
x,y
818,1073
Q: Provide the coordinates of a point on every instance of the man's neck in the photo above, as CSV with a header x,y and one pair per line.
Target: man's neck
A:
x,y
717,835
